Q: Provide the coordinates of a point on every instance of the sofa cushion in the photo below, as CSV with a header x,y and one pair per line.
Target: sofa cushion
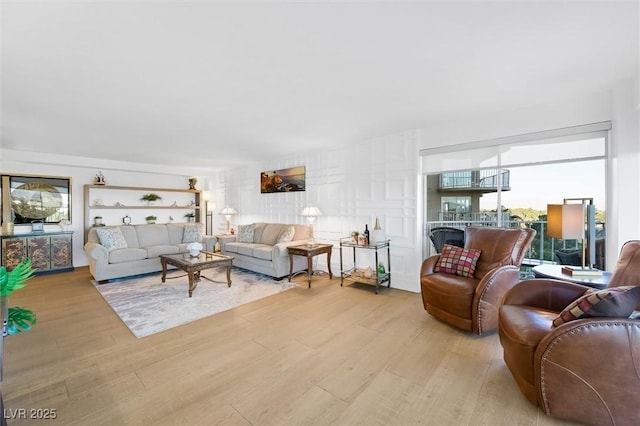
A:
x,y
270,234
191,233
152,235
263,252
127,255
458,261
286,234
155,251
617,302
245,249
131,235
257,231
232,247
245,233
112,238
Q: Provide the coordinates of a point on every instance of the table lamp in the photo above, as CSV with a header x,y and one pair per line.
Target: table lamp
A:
x,y
567,222
228,212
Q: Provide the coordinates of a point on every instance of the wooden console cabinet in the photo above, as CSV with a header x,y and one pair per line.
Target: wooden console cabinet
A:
x,y
48,251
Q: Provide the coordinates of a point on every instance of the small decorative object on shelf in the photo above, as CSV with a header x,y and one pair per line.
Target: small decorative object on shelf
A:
x,y
151,219
37,226
191,216
355,235
377,234
99,179
150,198
192,183
97,221
98,202
126,220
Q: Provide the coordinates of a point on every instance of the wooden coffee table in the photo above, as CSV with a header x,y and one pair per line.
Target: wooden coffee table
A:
x,y
193,265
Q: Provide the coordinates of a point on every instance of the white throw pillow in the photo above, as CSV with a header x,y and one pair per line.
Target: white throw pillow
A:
x,y
111,238
286,234
245,233
191,234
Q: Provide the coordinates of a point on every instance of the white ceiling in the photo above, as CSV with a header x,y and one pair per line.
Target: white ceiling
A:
x,y
225,83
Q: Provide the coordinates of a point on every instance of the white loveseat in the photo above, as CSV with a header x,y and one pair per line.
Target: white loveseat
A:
x,y
262,247
140,251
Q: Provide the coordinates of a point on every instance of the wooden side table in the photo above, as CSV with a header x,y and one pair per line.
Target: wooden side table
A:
x,y
309,252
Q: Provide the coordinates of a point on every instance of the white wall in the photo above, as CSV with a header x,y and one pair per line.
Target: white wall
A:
x,y
352,186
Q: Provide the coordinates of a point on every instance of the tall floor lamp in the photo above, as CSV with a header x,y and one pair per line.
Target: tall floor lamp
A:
x,y
210,206
575,221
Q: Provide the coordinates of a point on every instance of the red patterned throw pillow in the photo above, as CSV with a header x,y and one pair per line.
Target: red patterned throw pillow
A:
x,y
456,260
617,302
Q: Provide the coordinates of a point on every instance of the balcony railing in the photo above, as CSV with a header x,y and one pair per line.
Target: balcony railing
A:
x,y
542,249
474,179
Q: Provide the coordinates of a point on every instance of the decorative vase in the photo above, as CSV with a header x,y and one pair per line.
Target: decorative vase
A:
x,y
377,235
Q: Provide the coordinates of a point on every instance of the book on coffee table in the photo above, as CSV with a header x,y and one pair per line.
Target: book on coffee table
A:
x,y
577,270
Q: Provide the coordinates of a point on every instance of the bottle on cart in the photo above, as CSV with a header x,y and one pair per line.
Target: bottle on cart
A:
x,y
366,234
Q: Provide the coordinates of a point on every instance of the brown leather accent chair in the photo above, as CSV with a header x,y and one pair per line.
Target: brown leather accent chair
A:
x,y
471,304
587,370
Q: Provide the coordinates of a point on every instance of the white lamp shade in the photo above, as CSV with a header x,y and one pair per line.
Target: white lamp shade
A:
x,y
310,211
565,221
228,211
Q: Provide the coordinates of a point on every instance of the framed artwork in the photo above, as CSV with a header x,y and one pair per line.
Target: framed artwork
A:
x,y
283,180
28,200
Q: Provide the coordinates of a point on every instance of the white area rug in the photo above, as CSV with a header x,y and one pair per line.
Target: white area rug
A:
x,y
148,306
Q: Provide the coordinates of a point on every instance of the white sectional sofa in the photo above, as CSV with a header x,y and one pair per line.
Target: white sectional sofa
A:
x,y
120,251
262,247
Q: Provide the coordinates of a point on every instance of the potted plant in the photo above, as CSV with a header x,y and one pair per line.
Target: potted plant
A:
x,y
191,216
97,221
16,319
150,198
151,219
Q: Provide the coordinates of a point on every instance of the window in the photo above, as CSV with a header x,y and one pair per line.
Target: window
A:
x,y
509,181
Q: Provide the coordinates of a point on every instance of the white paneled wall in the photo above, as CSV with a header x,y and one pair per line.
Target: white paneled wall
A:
x,y
352,186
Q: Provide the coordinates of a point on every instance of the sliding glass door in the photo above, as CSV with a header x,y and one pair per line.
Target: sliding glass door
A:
x,y
509,182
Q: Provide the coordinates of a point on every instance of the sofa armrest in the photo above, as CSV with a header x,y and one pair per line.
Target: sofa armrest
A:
x,y
550,294
280,249
224,239
97,252
209,242
428,264
587,370
490,294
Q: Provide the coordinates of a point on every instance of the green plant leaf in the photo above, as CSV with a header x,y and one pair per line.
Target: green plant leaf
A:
x,y
16,278
19,319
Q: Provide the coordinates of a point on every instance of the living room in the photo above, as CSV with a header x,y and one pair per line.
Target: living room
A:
x,y
353,177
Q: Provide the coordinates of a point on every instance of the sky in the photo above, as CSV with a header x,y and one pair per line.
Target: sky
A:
x,y
539,185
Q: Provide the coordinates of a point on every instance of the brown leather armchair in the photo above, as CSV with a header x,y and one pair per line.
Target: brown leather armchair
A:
x,y
587,369
471,304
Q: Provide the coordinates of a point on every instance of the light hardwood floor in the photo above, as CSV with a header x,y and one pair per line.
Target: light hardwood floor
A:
x,y
321,356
